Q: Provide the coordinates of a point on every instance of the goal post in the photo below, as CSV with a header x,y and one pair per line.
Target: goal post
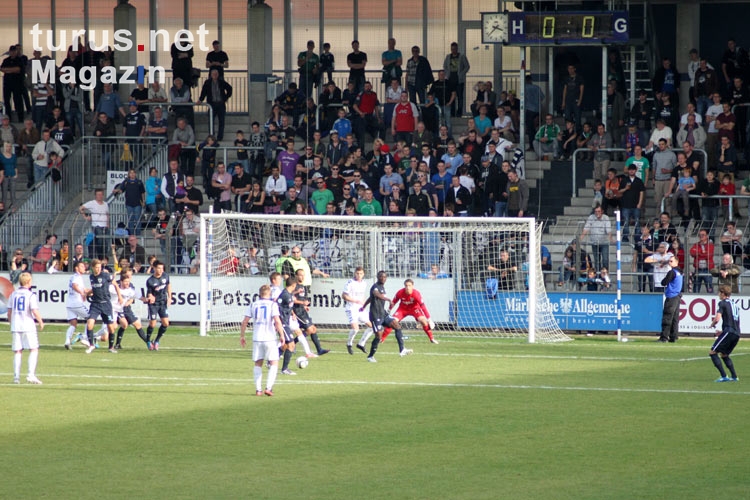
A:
x,y
478,276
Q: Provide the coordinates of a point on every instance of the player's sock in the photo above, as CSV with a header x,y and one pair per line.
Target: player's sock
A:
x,y
16,365
111,341
374,346
149,331
33,357
69,333
400,339
717,364
305,344
141,334
730,365
272,372
162,330
258,376
427,330
365,336
102,332
90,336
120,333
386,331
316,341
352,334
287,358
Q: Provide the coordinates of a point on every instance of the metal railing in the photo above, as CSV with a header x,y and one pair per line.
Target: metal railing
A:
x,y
168,104
235,77
730,197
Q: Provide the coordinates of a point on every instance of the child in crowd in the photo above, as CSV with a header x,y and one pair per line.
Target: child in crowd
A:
x,y
342,125
727,187
598,194
685,185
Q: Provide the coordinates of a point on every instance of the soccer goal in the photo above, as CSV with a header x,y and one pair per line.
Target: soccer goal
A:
x,y
475,274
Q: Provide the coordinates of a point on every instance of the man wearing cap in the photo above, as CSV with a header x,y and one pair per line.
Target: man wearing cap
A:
x,y
217,59
660,259
633,195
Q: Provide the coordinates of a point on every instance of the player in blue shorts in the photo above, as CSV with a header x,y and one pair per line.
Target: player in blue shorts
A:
x,y
380,318
729,315
124,311
158,298
285,300
101,305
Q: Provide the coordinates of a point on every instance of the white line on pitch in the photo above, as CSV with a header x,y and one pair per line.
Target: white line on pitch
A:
x,y
210,382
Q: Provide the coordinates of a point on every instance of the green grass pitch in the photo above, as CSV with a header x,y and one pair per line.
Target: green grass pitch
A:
x,y
468,418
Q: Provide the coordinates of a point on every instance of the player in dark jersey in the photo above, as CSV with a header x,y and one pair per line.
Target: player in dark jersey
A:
x,y
125,314
380,318
285,301
301,310
158,298
729,315
101,306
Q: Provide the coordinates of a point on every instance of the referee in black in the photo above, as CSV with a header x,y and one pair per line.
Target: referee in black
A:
x,y
670,318
728,336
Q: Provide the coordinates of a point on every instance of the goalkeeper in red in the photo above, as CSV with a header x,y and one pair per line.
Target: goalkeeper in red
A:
x,y
410,303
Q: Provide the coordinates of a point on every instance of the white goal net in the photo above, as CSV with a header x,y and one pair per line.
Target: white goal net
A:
x,y
474,274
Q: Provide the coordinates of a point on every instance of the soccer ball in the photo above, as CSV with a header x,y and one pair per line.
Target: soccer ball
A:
x,y
302,362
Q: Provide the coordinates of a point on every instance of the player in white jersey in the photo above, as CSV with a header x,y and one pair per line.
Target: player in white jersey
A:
x,y
23,309
355,293
124,314
76,304
267,333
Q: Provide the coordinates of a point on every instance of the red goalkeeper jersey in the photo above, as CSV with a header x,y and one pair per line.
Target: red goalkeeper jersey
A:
x,y
410,304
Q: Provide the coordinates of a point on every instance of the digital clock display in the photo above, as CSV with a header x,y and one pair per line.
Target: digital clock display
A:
x,y
526,28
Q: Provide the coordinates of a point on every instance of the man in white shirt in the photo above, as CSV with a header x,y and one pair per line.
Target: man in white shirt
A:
x,y
276,185
75,303
355,293
96,212
23,309
266,318
41,152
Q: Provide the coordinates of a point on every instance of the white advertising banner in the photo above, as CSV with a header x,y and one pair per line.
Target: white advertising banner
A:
x,y
696,312
114,177
327,304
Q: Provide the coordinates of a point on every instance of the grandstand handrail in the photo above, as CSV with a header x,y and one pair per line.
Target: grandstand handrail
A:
x,y
233,148
623,150
730,197
192,104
